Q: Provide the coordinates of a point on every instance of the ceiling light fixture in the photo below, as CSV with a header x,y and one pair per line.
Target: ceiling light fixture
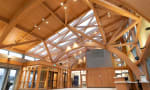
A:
x,y
39,28
75,45
43,19
75,0
109,14
68,49
46,22
62,4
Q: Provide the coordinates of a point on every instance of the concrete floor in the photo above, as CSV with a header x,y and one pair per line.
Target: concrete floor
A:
x,y
86,89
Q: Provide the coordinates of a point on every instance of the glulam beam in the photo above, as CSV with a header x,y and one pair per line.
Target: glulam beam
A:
x,y
124,57
48,51
98,21
116,37
17,44
123,44
44,5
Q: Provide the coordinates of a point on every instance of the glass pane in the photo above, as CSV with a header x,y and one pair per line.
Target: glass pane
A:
x,y
30,80
11,80
29,58
83,78
15,54
2,76
3,51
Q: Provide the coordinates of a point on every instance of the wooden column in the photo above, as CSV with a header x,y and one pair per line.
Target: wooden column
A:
x,y
131,75
34,69
80,80
46,81
38,78
20,79
58,83
144,68
69,79
24,78
61,79
28,78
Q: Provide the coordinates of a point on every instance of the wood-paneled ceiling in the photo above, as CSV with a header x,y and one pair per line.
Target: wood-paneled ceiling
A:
x,y
61,31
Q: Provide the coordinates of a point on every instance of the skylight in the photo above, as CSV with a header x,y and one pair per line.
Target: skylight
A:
x,y
90,29
85,23
11,54
44,53
69,34
29,58
63,30
41,49
66,38
88,14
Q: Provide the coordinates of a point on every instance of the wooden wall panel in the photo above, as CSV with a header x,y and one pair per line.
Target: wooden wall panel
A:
x,y
100,77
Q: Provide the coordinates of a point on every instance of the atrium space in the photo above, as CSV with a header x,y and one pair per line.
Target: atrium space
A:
x,y
74,45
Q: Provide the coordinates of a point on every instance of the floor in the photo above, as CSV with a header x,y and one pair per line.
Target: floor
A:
x,y
86,89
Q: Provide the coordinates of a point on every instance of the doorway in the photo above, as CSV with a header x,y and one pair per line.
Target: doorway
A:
x,y
52,79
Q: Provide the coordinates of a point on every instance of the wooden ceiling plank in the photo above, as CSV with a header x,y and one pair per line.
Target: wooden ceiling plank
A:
x,y
47,8
17,16
115,8
29,32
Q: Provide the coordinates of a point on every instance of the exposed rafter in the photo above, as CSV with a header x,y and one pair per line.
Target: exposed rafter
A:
x,y
47,8
17,44
48,51
98,21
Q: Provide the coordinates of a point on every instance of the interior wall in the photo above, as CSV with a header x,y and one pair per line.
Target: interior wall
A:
x,y
98,58
100,77
144,33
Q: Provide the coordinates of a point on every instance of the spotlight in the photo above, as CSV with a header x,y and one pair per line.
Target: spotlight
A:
x,y
46,22
75,0
61,3
39,28
43,19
